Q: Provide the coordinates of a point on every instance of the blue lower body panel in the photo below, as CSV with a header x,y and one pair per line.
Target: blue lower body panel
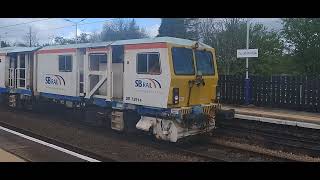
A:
x,y
142,110
21,91
3,90
101,102
60,97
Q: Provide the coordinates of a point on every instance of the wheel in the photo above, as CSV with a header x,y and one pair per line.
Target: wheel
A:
x,y
131,118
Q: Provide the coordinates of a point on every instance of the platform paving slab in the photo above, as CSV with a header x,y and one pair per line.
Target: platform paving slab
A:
x,y
282,114
30,151
8,157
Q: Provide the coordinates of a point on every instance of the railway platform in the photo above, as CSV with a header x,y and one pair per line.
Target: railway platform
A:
x,y
9,157
14,148
277,116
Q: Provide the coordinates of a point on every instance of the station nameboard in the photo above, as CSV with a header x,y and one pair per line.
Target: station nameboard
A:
x,y
246,53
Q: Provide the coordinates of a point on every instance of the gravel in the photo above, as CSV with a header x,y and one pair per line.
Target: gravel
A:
x,y
110,144
104,142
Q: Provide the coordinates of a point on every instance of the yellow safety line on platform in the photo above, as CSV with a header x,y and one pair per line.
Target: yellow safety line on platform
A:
x,y
8,157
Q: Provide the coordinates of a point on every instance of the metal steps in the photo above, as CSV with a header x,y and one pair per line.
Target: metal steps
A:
x,y
12,101
117,122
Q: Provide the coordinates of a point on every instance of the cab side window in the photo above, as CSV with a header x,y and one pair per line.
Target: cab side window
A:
x,y
148,63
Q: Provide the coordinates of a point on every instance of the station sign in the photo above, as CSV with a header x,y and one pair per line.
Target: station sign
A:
x,y
247,53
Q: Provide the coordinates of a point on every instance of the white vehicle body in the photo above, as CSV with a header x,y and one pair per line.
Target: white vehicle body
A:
x,y
155,95
63,83
2,70
108,75
16,68
117,81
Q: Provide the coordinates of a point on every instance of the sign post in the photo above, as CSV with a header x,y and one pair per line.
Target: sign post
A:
x,y
246,53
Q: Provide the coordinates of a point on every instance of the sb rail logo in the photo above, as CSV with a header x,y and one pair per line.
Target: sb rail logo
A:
x,y
147,83
52,79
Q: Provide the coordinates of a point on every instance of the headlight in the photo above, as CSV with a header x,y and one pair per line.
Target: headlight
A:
x,y
175,95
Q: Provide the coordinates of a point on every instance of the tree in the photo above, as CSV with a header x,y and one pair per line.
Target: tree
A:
x,y
95,37
192,28
4,44
228,35
31,38
45,44
173,27
20,44
209,30
62,41
83,38
271,59
303,43
121,29
186,28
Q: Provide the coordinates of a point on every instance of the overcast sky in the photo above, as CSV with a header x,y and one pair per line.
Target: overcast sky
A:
x,y
47,28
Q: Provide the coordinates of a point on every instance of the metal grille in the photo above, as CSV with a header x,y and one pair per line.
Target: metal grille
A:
x,y
184,111
210,109
207,109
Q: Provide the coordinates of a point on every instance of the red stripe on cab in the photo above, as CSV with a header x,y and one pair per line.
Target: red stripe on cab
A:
x,y
98,49
56,51
145,46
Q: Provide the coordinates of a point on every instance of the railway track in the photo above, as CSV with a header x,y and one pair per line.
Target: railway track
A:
x,y
213,158
183,148
288,141
141,139
205,151
250,153
211,150
57,143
